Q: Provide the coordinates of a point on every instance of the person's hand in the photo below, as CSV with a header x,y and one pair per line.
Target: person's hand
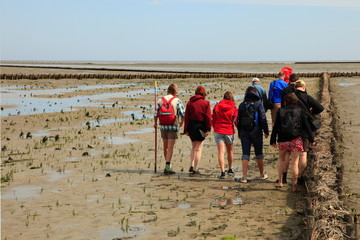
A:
x,y
266,135
155,125
181,123
207,134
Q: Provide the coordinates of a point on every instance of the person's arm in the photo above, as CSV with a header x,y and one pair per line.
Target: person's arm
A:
x,y
271,90
214,117
306,127
275,130
186,119
180,112
238,121
315,106
264,125
208,117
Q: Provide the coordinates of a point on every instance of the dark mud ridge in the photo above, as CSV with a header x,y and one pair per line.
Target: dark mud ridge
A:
x,y
327,215
153,74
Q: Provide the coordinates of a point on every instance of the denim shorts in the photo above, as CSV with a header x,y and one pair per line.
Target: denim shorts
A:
x,y
228,139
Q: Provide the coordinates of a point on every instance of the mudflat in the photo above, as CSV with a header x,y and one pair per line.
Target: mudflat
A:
x,y
87,171
346,94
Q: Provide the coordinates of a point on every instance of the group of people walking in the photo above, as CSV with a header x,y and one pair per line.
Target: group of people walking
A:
x,y
293,120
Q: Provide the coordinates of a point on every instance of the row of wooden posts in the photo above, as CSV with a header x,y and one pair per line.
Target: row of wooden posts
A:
x,y
164,75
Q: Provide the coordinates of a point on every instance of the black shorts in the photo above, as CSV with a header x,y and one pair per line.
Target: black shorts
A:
x,y
194,130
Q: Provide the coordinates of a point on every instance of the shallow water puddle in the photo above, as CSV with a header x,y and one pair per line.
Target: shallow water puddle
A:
x,y
21,193
347,84
55,175
26,101
221,202
118,140
72,159
135,231
141,131
103,122
184,205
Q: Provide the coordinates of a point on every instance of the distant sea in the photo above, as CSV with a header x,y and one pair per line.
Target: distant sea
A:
x,y
235,67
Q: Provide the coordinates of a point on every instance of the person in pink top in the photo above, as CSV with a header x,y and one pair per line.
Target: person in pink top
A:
x,y
224,121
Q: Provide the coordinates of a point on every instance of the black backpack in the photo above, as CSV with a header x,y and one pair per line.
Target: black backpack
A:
x,y
290,122
247,118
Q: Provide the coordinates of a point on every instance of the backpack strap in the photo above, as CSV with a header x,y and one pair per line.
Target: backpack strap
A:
x,y
171,99
164,100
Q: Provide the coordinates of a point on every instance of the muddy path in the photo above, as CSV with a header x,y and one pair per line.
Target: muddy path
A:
x,y
87,171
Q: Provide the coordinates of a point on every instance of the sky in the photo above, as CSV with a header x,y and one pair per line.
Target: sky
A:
x,y
180,30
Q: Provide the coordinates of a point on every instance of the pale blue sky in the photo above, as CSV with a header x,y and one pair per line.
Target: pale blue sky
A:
x,y
180,30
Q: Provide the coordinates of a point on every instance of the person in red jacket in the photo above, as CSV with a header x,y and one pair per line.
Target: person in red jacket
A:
x,y
197,125
224,122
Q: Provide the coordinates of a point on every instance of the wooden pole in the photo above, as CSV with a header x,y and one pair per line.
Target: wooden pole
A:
x,y
155,106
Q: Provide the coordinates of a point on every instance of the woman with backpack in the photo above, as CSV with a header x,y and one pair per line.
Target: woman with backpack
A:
x,y
291,127
251,126
197,125
169,109
224,121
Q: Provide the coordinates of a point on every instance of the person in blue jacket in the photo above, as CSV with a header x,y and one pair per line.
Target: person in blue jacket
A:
x,y
275,90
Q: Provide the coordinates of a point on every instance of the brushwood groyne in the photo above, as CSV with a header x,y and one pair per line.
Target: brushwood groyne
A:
x,y
164,75
327,214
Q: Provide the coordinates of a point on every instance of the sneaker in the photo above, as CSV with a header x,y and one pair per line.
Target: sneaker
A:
x,y
168,171
231,171
222,176
263,177
191,169
196,172
243,180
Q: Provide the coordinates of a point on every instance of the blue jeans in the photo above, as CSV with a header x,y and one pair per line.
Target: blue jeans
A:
x,y
248,138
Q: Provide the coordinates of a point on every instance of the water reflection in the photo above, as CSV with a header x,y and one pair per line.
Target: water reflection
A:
x,y
26,101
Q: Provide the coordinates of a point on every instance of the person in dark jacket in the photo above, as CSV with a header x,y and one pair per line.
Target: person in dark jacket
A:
x,y
224,121
252,135
290,88
312,107
197,125
291,127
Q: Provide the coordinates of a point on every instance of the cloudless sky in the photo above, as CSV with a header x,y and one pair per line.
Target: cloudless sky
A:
x,y
180,30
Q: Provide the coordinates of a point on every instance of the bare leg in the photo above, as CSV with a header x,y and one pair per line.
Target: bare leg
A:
x,y
281,167
197,146
221,149
192,155
245,164
260,163
165,146
295,168
302,162
230,154
169,150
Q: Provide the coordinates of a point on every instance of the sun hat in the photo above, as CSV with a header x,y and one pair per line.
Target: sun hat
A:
x,y
255,80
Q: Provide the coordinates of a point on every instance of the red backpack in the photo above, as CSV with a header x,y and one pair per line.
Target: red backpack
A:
x,y
166,112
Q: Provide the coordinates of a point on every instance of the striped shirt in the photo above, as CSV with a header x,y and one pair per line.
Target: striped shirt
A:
x,y
180,111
